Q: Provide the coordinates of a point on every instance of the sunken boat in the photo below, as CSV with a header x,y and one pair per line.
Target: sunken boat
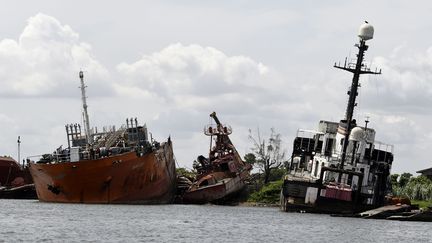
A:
x,y
220,177
113,166
15,180
339,168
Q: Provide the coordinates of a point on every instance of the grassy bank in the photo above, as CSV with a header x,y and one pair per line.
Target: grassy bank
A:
x,y
422,203
269,194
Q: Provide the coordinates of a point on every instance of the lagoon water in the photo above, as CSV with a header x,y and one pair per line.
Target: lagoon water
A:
x,y
33,221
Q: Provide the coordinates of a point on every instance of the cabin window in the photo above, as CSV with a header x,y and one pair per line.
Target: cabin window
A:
x,y
350,178
328,147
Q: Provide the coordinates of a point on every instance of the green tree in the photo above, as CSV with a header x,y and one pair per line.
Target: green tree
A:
x,y
268,153
404,179
415,188
250,158
394,180
190,174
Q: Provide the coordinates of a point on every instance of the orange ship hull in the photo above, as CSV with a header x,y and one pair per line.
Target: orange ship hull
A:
x,y
125,178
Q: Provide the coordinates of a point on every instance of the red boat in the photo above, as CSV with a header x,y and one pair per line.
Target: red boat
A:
x,y
15,180
220,176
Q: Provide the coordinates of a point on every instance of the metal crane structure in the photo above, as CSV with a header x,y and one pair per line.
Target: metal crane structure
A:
x,y
85,113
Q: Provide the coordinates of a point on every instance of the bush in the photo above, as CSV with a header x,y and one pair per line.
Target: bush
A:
x,y
416,188
277,174
268,193
190,174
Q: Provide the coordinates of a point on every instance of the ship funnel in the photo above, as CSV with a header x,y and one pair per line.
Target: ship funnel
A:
x,y
366,31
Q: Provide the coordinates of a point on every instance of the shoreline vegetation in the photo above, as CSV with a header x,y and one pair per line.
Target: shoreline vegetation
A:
x,y
417,188
267,194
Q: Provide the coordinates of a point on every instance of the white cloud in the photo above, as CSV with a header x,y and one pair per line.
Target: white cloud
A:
x,y
406,82
196,79
192,70
191,81
45,60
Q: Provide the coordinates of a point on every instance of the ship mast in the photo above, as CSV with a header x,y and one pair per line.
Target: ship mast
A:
x,y
85,114
365,33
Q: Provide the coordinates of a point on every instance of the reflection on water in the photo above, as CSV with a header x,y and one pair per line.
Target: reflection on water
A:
x,y
35,221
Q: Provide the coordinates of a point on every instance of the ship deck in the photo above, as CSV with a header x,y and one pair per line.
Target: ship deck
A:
x,y
300,176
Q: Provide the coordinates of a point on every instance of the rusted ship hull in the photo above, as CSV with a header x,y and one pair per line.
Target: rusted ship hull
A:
x,y
125,178
11,173
15,180
26,191
219,192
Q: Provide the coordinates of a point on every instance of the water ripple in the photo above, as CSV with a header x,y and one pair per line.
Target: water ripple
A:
x,y
33,221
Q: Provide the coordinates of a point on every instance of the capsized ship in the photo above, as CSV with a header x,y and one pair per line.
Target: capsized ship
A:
x,y
220,176
339,168
113,166
15,180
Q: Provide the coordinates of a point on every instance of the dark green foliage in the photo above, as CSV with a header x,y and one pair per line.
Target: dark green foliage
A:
x,y
422,203
404,179
185,172
268,193
394,180
261,192
277,174
250,158
415,188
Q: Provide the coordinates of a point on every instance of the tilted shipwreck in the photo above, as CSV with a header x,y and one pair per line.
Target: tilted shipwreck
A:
x,y
221,176
113,166
15,180
340,168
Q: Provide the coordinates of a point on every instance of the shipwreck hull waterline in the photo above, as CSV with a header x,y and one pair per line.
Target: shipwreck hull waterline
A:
x,y
213,193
